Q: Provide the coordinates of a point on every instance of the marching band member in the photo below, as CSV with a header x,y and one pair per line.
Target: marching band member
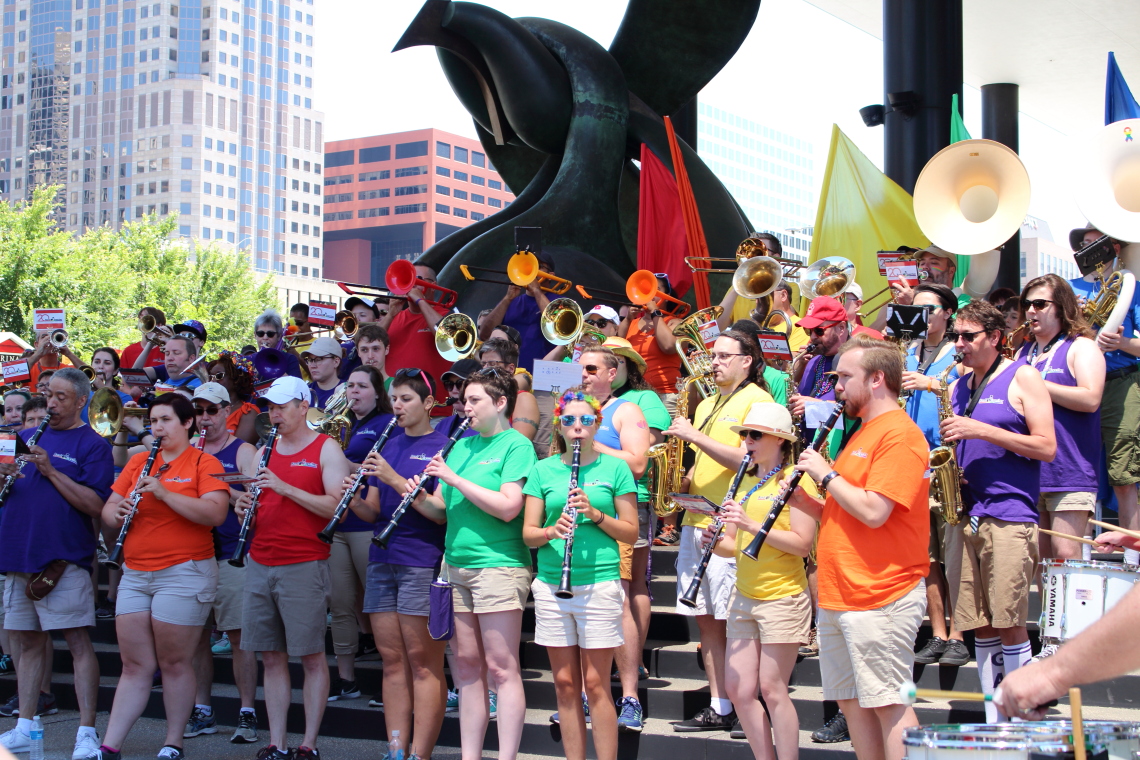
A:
x,y
369,349
488,565
453,382
775,381
287,584
874,527
46,357
1003,424
737,368
1061,348
601,319
323,358
366,312
650,332
131,352
211,411
14,407
170,576
414,318
770,611
46,518
370,410
501,353
235,373
269,333
852,302
105,362
927,359
521,308
397,591
580,633
826,323
179,353
940,267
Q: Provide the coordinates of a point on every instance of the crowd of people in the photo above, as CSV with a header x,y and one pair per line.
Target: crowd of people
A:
x,y
458,494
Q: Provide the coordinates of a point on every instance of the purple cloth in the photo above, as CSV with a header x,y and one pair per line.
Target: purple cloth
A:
x,y
228,531
320,396
523,315
1078,433
417,541
813,379
364,435
1001,484
37,525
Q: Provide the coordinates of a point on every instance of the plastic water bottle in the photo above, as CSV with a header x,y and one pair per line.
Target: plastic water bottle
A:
x,y
37,751
395,747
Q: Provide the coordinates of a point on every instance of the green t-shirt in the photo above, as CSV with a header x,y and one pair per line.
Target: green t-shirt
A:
x,y
474,538
658,418
596,556
777,384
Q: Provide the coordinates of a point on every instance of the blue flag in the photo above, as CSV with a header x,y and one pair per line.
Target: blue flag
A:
x,y
1119,104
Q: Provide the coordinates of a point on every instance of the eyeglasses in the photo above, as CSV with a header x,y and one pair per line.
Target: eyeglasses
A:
x,y
568,420
209,410
818,331
310,359
266,333
599,323
1038,304
754,435
591,369
720,356
968,337
489,363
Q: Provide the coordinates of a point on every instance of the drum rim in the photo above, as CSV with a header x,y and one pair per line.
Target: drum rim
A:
x,y
1093,564
1039,736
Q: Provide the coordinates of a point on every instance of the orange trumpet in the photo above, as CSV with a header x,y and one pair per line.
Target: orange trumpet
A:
x,y
641,288
401,277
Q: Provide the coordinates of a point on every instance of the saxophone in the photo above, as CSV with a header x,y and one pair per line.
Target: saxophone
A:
x,y
666,457
945,480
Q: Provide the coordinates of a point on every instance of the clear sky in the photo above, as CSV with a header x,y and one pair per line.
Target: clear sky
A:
x,y
800,71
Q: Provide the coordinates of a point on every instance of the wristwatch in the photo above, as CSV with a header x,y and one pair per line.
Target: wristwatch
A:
x,y
827,479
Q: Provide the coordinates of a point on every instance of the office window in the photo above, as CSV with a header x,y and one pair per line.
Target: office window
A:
x,y
443,172
443,150
494,202
412,149
460,213
411,190
461,176
478,159
443,190
461,154
476,180
411,171
442,209
411,208
373,176
494,184
476,198
369,212
340,158
372,155
368,195
460,194
476,216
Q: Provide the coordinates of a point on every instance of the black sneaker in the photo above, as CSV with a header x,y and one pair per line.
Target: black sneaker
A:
x,y
835,730
45,705
11,707
342,689
930,653
272,753
367,646
105,610
306,753
956,653
706,720
737,731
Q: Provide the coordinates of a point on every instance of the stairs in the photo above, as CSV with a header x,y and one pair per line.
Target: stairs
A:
x,y
676,688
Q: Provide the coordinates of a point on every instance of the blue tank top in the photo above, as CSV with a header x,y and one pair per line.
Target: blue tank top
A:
x,y
228,531
922,406
1001,484
1078,433
607,435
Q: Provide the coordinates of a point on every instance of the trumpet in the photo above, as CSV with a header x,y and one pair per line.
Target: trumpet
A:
x,y
717,529
455,337
564,591
522,270
344,326
106,412
154,332
115,558
58,339
88,370
326,535
242,548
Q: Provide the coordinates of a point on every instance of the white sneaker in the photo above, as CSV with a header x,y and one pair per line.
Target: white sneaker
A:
x,y
16,741
1046,651
86,746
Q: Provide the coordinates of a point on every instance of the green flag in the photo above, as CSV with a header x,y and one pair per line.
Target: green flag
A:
x,y
957,134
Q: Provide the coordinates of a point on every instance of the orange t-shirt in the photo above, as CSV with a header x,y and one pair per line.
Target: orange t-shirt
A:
x,y
36,370
160,537
864,568
234,419
662,370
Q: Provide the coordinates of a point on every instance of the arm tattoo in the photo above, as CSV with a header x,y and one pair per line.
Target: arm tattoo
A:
x,y
530,422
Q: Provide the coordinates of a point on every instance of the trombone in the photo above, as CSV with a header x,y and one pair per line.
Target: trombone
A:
x,y
344,327
522,270
641,288
455,337
369,291
749,248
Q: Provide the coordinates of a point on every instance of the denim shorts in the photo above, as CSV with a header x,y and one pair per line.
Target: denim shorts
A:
x,y
398,588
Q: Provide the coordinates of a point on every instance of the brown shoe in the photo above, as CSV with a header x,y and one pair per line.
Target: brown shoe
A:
x,y
811,648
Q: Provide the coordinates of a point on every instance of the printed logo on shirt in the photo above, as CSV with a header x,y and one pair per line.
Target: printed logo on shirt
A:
x,y
65,457
1051,371
603,483
304,463
421,457
729,418
495,460
859,453
177,480
992,400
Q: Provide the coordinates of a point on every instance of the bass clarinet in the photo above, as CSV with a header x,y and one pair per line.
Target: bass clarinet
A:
x,y
752,551
33,439
242,548
381,538
115,558
717,528
327,534
564,591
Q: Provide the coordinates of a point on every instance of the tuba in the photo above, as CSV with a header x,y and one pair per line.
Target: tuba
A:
x,y
830,276
945,475
666,457
455,337
691,347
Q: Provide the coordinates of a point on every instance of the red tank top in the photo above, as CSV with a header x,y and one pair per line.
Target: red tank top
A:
x,y
286,532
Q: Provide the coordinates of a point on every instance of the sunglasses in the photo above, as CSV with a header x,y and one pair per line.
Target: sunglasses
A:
x,y
210,410
417,372
218,377
818,331
598,322
591,369
1038,304
568,420
753,435
187,334
452,384
490,363
266,333
968,337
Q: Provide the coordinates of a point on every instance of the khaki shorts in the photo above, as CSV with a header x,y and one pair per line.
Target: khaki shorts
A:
x,y
228,601
869,654
945,542
1120,429
591,619
1067,501
990,584
716,587
181,594
284,607
488,589
773,621
71,604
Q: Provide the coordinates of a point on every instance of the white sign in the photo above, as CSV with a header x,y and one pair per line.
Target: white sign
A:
x,y
816,413
48,319
774,346
16,371
710,331
8,448
889,257
322,313
560,375
903,270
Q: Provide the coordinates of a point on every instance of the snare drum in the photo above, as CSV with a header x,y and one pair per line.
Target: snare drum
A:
x,y
999,741
1077,593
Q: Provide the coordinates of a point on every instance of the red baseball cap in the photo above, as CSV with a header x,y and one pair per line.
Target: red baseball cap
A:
x,y
823,311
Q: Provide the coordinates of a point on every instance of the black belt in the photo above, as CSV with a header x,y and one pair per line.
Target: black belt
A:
x,y
1116,374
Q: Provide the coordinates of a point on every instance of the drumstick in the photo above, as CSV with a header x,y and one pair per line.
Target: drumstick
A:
x,y
1069,536
1078,724
910,693
1117,528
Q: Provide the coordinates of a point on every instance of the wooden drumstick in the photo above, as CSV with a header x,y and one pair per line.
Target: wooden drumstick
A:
x,y
910,694
1117,528
1078,724
1078,539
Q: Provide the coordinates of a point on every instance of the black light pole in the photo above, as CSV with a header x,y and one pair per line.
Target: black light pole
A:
x,y
1000,124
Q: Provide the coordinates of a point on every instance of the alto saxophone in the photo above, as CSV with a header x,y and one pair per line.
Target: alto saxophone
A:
x,y
666,457
946,477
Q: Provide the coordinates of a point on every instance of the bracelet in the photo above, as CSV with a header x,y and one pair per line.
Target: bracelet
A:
x,y
930,383
827,479
546,533
418,301
601,519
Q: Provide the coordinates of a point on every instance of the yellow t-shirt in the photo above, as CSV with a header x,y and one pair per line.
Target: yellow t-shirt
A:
x,y
709,478
774,574
797,337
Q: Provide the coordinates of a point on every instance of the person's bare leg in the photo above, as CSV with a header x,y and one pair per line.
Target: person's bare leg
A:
x,y
1074,523
635,624
866,730
468,671
316,695
742,684
276,688
49,661
429,687
603,717
566,667
136,649
776,663
501,633
204,668
937,591
396,688
714,639
893,720
30,670
174,646
245,670
85,666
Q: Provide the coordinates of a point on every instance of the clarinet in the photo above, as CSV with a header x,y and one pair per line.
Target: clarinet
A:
x,y
381,538
564,591
115,558
752,551
10,480
326,535
717,528
242,548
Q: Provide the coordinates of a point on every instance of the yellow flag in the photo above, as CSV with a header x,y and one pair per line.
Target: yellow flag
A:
x,y
861,211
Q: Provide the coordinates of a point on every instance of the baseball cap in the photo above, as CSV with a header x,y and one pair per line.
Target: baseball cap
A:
x,y
768,417
935,251
824,310
463,368
623,347
605,312
545,258
355,301
1077,236
287,388
324,346
191,326
213,392
856,290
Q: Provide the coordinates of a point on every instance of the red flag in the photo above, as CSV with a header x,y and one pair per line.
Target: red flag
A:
x,y
661,242
694,231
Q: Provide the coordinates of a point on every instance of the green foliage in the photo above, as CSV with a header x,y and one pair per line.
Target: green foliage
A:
x,y
103,277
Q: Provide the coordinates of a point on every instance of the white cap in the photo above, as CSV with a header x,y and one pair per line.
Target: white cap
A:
x,y
605,312
324,346
856,290
288,388
214,392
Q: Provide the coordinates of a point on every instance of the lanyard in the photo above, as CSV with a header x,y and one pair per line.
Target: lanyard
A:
x,y
719,404
778,468
976,396
1048,347
925,363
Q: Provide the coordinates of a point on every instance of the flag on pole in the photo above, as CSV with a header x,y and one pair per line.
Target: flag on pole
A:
x,y
694,231
1119,104
958,132
662,244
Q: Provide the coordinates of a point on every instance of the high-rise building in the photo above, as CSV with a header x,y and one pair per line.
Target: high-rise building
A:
x,y
393,196
201,108
768,172
1040,255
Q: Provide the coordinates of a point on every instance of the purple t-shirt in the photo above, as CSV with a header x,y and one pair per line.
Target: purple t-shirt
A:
x,y
227,533
815,382
417,541
364,436
37,525
523,315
